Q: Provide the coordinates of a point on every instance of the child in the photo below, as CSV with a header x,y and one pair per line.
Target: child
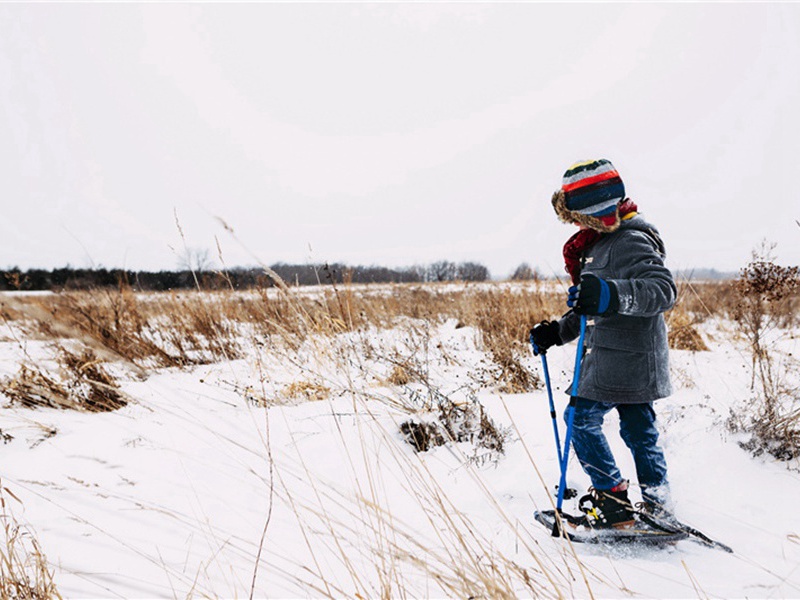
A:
x,y
616,262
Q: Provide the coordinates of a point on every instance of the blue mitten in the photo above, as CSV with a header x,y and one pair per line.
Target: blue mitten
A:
x,y
593,296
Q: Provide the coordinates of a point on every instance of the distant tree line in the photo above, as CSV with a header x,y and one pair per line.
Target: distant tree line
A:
x,y
68,278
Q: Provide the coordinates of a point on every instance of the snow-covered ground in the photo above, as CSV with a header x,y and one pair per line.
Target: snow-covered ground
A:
x,y
285,475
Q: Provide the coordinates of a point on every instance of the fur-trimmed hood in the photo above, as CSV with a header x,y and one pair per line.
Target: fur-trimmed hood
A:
x,y
605,224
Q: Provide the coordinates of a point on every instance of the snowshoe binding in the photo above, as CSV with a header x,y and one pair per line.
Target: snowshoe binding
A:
x,y
604,509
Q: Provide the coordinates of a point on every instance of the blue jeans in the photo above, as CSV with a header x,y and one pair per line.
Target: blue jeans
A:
x,y
638,430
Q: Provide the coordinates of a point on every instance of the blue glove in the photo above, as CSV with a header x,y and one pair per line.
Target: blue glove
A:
x,y
593,296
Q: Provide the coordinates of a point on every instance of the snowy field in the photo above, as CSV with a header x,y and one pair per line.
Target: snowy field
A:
x,y
284,474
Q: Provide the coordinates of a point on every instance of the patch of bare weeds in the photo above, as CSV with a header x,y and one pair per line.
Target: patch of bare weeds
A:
x,y
450,421
81,383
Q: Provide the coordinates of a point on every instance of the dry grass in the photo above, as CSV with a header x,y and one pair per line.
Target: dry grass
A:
x,y
81,383
378,555
505,317
160,330
701,300
399,376
683,334
305,390
31,387
24,571
148,331
180,330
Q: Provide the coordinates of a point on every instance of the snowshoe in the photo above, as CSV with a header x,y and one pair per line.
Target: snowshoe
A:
x,y
608,517
580,530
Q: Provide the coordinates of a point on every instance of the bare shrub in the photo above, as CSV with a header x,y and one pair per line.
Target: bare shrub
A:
x,y
471,271
765,291
524,272
442,270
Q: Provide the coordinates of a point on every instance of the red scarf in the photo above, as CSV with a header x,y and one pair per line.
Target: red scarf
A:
x,y
584,239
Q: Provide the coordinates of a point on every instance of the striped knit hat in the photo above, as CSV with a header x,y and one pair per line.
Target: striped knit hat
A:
x,y
590,195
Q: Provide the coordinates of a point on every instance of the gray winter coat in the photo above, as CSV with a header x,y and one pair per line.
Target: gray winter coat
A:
x,y
627,355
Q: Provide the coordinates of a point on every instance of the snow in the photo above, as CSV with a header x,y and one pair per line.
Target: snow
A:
x,y
215,482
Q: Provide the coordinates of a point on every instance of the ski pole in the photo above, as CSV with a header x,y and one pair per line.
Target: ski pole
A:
x,y
562,486
543,353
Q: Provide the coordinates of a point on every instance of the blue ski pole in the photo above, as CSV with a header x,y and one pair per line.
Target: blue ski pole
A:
x,y
543,353
562,486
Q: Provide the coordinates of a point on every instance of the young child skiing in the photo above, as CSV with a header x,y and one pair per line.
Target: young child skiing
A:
x,y
616,262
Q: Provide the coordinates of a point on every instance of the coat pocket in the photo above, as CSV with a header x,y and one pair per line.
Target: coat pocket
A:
x,y
623,360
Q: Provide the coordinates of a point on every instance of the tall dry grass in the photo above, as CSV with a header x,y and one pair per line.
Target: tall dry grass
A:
x,y
177,330
190,328
24,571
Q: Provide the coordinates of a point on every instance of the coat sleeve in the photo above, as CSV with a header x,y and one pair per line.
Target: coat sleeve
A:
x,y
569,327
645,286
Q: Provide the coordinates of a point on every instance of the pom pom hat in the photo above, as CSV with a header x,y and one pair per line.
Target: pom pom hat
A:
x,y
590,195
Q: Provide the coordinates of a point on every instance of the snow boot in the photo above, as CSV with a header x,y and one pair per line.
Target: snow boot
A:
x,y
657,502
608,508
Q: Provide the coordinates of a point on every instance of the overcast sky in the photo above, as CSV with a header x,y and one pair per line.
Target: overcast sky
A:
x,y
390,133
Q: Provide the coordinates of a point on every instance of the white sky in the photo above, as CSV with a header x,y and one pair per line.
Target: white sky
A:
x,y
390,134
